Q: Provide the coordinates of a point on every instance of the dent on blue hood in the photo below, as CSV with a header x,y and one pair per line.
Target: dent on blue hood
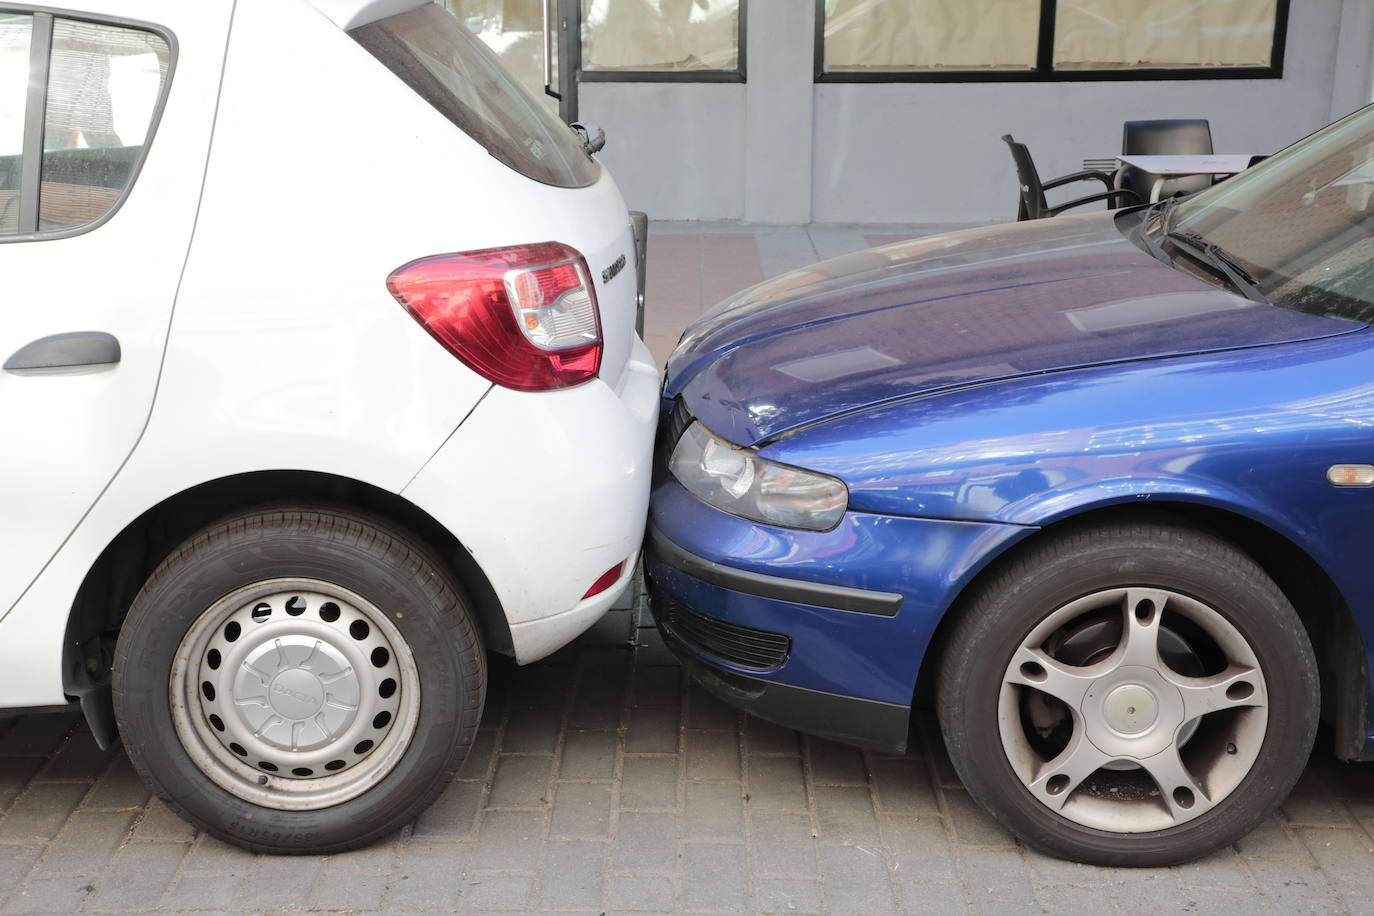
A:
x,y
949,311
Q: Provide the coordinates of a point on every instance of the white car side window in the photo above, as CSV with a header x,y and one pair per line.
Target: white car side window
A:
x,y
16,30
103,87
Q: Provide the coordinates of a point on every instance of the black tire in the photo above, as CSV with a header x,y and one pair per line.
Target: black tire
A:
x,y
383,565
1166,554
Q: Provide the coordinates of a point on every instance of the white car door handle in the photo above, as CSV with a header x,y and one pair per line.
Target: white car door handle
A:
x,y
66,351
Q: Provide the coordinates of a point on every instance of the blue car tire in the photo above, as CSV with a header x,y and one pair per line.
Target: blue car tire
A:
x,y
1129,694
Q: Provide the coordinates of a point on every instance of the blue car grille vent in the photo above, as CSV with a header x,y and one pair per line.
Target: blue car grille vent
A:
x,y
743,647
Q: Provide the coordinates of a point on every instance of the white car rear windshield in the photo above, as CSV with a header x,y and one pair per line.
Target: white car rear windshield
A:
x,y
451,69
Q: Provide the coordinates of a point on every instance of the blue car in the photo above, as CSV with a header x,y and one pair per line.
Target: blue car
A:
x,y
1097,488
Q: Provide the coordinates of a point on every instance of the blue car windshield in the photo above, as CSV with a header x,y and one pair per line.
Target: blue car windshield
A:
x,y
1301,223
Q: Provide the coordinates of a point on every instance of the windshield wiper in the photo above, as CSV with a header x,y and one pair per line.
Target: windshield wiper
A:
x,y
1215,256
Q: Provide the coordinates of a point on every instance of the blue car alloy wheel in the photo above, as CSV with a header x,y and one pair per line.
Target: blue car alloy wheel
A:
x,y
1129,694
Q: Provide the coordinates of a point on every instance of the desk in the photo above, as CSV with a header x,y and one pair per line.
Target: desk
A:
x,y
1163,167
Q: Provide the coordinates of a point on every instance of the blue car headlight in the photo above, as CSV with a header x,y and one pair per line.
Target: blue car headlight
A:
x,y
738,481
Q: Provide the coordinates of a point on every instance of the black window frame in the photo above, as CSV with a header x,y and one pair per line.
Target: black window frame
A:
x,y
36,110
1044,71
739,74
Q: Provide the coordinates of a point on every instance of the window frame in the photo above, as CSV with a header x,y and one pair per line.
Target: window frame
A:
x,y
36,109
1044,71
739,74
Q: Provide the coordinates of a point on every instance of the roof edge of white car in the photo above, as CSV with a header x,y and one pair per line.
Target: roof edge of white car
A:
x,y
349,14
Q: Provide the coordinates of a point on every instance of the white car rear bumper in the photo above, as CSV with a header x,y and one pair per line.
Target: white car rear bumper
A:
x,y
549,491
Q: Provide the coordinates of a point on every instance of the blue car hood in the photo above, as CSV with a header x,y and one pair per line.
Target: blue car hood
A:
x,y
949,311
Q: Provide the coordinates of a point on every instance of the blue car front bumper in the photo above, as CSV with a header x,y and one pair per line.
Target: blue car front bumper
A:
x,y
824,632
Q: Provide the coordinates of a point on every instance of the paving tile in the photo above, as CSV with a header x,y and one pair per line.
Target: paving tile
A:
x,y
532,731
210,856
712,755
197,892
15,863
1268,839
762,737
159,824
78,758
713,811
844,815
521,782
40,812
788,895
429,876
1346,857
138,877
918,849
972,825
658,687
646,842
378,858
39,735
835,764
599,710
15,773
86,844
50,895
705,711
1293,886
776,783
546,684
588,755
483,891
581,811
1222,870
118,787
1000,878
454,815
856,881
1219,902
649,782
278,880
653,893
713,877
652,731
903,786
350,892
509,840
782,844
478,763
572,876
1312,804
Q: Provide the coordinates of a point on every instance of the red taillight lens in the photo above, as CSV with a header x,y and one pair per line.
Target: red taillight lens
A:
x,y
525,317
608,578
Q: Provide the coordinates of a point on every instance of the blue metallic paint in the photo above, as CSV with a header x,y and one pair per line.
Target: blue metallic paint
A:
x,y
971,441
953,310
861,655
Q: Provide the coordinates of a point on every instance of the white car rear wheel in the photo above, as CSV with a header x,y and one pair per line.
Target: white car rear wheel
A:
x,y
299,680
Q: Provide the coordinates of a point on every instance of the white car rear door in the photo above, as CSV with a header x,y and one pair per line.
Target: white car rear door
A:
x,y
101,160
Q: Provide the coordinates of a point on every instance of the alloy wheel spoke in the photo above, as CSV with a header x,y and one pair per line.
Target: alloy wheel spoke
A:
x,y
1035,668
1238,685
1055,780
1141,611
1183,795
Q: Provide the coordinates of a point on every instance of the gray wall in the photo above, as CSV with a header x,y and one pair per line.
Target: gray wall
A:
x,y
781,149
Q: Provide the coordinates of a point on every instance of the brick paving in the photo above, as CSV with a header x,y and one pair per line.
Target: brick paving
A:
x,y
603,782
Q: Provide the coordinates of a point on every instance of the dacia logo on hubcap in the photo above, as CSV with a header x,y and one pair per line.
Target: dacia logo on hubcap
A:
x,y
295,694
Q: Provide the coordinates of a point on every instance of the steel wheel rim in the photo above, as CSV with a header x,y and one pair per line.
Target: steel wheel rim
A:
x,y
294,694
1134,719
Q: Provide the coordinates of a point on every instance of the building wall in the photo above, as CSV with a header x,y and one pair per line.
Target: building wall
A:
x,y
782,149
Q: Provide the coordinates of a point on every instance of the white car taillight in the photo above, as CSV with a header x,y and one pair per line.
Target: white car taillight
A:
x,y
525,316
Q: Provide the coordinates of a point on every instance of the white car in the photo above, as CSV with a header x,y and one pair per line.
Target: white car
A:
x,y
320,379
